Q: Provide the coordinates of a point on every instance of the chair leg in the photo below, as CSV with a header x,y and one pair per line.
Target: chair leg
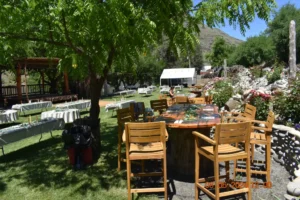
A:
x,y
252,152
197,163
128,163
119,152
268,162
227,170
216,174
248,180
165,177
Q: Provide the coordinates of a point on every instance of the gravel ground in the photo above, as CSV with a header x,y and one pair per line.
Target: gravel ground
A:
x,y
184,189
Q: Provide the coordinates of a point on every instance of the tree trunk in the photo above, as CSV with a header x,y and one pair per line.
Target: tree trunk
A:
x,y
96,85
95,89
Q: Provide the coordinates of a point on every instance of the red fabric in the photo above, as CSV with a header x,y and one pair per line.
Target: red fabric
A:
x,y
71,154
87,156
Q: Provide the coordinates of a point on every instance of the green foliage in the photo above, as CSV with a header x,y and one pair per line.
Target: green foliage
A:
x,y
254,51
262,107
278,30
262,103
220,51
223,91
287,106
275,75
257,72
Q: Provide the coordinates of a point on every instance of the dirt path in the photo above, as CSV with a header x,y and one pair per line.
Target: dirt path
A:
x,y
104,103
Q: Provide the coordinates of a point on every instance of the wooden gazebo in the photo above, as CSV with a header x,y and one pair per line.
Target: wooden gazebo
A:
x,y
22,65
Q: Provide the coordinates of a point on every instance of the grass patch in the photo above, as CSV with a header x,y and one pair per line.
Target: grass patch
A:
x,y
40,170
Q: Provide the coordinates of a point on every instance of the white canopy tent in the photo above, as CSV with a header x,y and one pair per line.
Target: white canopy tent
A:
x,y
183,75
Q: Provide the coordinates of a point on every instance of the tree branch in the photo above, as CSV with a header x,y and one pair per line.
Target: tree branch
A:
x,y
67,36
35,39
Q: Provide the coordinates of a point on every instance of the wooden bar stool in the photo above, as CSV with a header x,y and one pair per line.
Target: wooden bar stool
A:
x,y
222,150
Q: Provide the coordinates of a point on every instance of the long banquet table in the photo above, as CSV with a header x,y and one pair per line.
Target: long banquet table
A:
x,y
25,130
32,106
80,104
7,116
182,119
118,105
68,115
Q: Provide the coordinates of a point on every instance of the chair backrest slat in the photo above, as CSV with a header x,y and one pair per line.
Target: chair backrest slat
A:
x,y
270,120
124,115
232,132
200,100
159,104
181,99
249,112
137,109
145,132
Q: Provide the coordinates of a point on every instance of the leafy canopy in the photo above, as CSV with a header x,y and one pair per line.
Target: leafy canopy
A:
x,y
254,51
278,30
220,51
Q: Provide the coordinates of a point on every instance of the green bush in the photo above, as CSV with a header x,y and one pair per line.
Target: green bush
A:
x,y
262,103
222,93
272,77
257,72
288,107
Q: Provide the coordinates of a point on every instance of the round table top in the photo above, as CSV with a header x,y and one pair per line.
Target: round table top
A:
x,y
190,116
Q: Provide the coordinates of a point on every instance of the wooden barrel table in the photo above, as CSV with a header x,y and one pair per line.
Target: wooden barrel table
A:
x,y
181,144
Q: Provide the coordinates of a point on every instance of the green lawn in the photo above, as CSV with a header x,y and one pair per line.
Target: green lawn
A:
x,y
40,170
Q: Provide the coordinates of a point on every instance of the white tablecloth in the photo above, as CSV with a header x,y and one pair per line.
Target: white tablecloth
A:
x,y
152,87
144,91
69,115
165,90
178,87
118,105
8,116
32,106
81,104
25,130
127,92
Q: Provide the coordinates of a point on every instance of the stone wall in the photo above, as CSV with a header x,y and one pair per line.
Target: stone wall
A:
x,y
286,148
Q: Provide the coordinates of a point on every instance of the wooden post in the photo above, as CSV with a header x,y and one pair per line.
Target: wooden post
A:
x,y
43,82
26,86
292,57
225,68
66,80
19,83
0,84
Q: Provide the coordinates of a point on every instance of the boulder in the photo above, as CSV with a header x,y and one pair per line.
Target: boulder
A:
x,y
293,188
232,104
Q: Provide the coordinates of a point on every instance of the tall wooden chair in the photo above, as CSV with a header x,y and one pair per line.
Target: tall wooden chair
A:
x,y
137,111
159,105
123,115
146,141
221,150
249,113
181,100
261,135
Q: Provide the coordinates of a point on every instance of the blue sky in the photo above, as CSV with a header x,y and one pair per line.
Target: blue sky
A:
x,y
257,26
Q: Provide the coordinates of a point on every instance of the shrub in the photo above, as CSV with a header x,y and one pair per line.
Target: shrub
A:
x,y
288,107
257,72
262,103
222,93
276,75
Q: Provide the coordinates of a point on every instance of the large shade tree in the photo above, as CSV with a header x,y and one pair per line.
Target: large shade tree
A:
x,y
96,35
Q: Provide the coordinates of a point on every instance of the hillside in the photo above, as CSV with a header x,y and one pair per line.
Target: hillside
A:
x,y
207,36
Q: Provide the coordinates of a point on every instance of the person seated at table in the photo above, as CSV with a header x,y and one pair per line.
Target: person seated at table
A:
x,y
171,92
